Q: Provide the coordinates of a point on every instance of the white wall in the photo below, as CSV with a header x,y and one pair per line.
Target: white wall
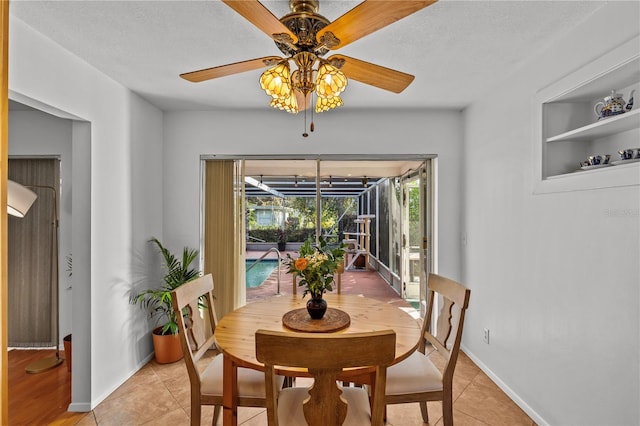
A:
x,y
146,212
271,132
555,277
123,129
32,134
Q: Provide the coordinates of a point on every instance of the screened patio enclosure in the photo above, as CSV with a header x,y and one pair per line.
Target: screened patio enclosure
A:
x,y
380,208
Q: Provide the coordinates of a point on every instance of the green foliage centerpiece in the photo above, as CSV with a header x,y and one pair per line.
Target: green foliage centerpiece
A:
x,y
316,266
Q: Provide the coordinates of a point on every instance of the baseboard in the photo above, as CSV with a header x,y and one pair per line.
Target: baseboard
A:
x,y
79,407
506,389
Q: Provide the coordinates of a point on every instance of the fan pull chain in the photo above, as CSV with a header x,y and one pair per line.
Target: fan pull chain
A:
x,y
312,127
305,134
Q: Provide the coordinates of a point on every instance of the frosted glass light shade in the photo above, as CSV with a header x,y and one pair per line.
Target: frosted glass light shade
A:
x,y
19,199
330,81
325,104
276,81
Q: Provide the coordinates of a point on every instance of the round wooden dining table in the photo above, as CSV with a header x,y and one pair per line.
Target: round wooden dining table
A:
x,y
235,335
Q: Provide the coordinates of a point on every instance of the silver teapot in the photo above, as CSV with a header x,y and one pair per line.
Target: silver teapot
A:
x,y
613,104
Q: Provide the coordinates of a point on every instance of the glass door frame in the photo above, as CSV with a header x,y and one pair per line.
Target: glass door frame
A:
x,y
426,219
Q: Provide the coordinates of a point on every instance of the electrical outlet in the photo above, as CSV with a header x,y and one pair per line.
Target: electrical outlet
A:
x,y
485,336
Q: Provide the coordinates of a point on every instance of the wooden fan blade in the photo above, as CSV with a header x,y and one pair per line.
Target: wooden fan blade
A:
x,y
256,13
235,68
370,16
374,75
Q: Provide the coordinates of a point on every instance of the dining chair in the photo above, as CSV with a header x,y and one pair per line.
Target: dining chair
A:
x,y
325,356
416,379
196,316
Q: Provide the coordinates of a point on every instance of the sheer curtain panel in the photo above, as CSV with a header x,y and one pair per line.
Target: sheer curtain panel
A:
x,y
224,232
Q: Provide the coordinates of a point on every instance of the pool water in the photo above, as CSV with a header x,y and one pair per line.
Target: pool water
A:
x,y
256,275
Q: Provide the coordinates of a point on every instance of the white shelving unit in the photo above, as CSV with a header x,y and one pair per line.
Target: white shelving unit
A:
x,y
570,132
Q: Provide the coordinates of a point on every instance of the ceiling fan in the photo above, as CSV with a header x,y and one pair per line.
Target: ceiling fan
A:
x,y
304,37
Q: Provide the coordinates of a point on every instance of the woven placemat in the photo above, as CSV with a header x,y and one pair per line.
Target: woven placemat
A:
x,y
333,320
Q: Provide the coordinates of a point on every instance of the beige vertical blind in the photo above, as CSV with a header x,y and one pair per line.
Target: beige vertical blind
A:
x,y
223,233
33,308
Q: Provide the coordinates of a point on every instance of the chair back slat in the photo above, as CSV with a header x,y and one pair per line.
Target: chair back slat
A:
x,y
325,397
444,322
194,326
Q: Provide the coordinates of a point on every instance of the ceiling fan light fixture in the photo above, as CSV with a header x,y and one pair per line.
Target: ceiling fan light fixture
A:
x,y
276,81
330,81
325,104
304,37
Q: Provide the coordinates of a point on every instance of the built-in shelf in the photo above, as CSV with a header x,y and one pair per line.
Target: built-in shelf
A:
x,y
631,166
570,132
605,127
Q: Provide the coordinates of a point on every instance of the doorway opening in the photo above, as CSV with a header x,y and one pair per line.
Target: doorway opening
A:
x,y
377,207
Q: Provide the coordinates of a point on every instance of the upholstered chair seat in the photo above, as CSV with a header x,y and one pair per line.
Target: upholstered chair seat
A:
x,y
250,382
401,377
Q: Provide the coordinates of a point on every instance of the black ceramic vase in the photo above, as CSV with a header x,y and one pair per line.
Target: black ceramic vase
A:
x,y
316,308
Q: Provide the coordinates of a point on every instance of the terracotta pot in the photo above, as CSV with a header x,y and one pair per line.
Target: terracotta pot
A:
x,y
167,347
67,350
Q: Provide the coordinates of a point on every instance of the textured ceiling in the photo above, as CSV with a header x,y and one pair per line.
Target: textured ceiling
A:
x,y
457,50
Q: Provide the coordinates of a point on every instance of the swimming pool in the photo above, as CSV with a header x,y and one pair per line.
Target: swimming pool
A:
x,y
256,275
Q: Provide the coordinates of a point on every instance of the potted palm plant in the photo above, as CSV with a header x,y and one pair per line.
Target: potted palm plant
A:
x,y
157,301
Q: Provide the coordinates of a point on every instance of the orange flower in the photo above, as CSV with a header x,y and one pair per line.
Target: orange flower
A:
x,y
301,263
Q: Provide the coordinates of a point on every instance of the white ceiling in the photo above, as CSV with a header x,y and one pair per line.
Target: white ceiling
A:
x,y
458,50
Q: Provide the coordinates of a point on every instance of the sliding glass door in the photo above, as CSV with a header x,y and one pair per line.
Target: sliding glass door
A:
x,y
380,206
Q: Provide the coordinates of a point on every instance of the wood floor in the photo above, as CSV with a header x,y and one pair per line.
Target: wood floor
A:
x,y
37,399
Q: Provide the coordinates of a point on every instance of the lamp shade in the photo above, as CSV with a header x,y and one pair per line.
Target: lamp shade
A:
x,y
325,104
288,104
330,81
19,199
276,81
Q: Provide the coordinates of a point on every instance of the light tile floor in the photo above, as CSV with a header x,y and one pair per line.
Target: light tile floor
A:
x,y
159,394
